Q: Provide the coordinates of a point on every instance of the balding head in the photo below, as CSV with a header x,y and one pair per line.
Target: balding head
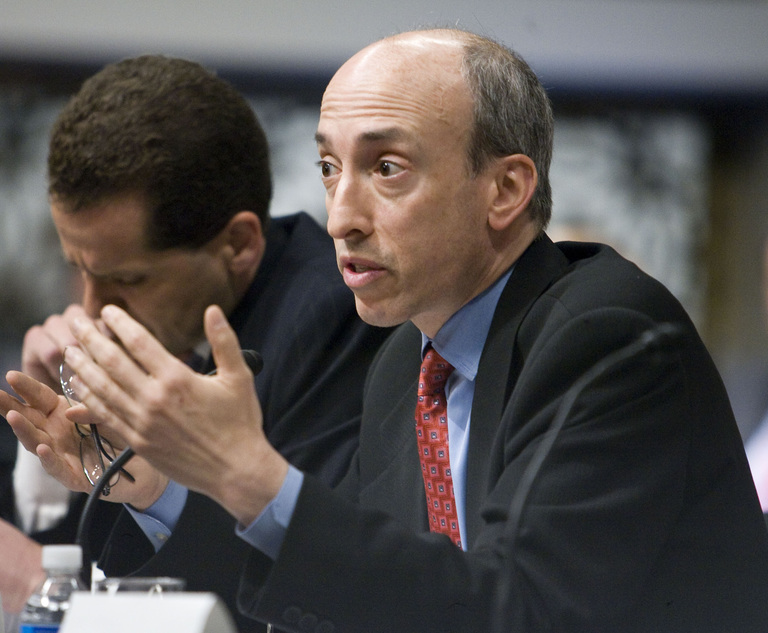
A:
x,y
413,71
510,112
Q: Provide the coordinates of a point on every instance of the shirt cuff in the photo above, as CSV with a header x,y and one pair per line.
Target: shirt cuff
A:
x,y
159,520
267,532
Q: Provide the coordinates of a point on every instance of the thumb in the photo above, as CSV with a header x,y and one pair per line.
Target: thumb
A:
x,y
224,344
35,393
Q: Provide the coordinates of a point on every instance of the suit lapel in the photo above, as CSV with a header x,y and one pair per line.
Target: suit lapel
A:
x,y
389,455
499,366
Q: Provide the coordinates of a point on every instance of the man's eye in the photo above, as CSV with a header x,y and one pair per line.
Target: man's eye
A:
x,y
326,169
387,168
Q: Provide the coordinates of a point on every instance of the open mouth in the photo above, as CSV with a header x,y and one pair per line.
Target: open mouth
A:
x,y
358,273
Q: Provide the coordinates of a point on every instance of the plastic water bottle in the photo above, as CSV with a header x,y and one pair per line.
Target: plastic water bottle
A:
x,y
46,607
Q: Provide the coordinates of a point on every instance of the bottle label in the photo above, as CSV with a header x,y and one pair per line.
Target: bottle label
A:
x,y
39,628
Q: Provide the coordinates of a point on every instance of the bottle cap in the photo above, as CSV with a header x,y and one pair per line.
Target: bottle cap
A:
x,y
62,557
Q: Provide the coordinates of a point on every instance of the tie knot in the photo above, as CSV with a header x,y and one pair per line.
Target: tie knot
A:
x,y
435,371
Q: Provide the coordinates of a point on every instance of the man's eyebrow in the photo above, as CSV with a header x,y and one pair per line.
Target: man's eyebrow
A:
x,y
387,134
108,274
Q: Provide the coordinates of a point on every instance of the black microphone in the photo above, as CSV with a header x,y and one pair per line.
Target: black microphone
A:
x,y
255,363
656,340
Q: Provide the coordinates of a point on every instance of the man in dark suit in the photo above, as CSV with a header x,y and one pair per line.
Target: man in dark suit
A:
x,y
160,188
593,478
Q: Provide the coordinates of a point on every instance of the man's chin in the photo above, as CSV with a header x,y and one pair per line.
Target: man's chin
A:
x,y
377,315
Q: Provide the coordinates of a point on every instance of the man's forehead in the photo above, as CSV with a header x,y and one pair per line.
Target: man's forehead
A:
x,y
106,235
379,86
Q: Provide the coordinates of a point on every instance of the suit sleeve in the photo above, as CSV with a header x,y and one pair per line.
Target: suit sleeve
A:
x,y
312,399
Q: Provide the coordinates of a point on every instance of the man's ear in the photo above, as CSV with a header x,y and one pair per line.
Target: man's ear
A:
x,y
514,184
244,242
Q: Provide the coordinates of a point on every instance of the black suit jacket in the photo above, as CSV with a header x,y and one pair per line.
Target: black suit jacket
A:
x,y
300,317
642,516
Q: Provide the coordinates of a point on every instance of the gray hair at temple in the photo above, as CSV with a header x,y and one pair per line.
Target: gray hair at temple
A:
x,y
512,114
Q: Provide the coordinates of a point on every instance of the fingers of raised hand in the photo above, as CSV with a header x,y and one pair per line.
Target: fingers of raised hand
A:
x,y
36,394
94,387
43,345
142,347
66,469
115,370
54,434
225,346
33,420
26,432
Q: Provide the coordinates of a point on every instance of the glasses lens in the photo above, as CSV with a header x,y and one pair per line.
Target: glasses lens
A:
x,y
69,380
95,457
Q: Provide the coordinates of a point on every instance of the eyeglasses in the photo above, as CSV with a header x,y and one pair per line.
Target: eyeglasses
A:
x,y
90,442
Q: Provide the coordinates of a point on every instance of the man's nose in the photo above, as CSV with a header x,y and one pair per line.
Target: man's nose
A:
x,y
97,294
348,209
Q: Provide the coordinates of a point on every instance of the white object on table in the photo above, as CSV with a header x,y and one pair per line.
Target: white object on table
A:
x,y
131,612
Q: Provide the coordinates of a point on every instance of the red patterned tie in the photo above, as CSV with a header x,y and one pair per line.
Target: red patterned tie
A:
x,y
432,438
